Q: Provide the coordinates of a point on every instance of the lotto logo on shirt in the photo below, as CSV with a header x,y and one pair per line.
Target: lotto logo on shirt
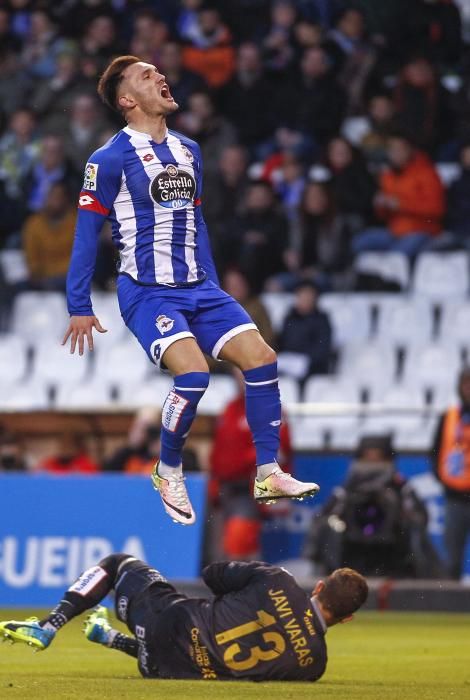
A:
x,y
173,188
91,174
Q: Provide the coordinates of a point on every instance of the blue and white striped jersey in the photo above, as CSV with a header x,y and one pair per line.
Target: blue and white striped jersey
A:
x,y
151,193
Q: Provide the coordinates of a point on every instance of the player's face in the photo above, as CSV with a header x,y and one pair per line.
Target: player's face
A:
x,y
145,86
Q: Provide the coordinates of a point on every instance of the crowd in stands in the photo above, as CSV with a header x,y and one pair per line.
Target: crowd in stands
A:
x,y
320,124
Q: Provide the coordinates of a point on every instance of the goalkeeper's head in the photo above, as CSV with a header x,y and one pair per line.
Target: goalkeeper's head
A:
x,y
340,595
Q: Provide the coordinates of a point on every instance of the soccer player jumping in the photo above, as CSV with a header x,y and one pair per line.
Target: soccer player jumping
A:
x,y
147,180
260,626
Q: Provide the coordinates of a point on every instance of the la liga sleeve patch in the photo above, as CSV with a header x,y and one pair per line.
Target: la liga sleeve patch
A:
x,y
91,176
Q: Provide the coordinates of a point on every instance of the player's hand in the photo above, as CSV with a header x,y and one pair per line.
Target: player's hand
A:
x,y
81,327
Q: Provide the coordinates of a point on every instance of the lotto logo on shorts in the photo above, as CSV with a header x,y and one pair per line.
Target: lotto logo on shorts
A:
x,y
172,411
88,580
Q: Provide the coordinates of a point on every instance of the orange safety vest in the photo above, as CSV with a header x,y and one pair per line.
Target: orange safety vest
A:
x,y
454,453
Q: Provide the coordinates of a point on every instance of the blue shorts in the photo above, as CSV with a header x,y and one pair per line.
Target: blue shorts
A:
x,y
158,316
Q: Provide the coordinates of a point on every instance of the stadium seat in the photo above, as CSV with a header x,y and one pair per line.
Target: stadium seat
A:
x,y
124,362
106,308
221,390
13,266
293,364
441,275
448,172
393,267
306,434
38,315
408,321
399,396
335,410
278,305
151,392
91,395
350,317
371,365
54,365
13,358
419,438
30,396
444,396
432,366
455,324
290,391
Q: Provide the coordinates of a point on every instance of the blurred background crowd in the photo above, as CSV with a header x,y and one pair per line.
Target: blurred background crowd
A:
x,y
331,130
322,125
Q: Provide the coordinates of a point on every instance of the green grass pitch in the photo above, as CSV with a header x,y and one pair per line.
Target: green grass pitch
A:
x,y
380,656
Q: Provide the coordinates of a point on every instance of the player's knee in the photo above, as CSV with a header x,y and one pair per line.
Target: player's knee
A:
x,y
263,355
113,563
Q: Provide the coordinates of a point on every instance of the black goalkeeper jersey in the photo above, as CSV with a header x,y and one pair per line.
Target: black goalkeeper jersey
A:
x,y
260,626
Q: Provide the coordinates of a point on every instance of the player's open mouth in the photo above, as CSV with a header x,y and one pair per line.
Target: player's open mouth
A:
x,y
165,92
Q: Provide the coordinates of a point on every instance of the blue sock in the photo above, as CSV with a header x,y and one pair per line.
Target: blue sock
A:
x,y
263,411
178,414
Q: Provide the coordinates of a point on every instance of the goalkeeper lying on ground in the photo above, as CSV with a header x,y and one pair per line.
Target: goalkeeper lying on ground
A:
x,y
261,625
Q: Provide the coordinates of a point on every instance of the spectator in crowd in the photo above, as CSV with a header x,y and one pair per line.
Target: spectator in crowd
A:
x,y
12,457
260,236
15,84
458,204
375,521
307,34
71,456
451,458
410,202
81,133
149,35
278,43
352,184
289,184
210,52
142,449
249,86
224,195
52,97
353,57
421,105
202,122
42,45
183,82
8,40
232,468
305,340
236,284
19,148
379,125
312,102
50,167
100,39
48,239
321,252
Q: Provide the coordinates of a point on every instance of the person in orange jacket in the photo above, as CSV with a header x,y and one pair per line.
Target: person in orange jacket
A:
x,y
410,202
232,468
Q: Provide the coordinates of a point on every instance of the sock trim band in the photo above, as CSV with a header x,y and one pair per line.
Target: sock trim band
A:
x,y
269,381
185,388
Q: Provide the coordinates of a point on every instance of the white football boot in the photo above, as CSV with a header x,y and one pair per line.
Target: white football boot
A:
x,y
279,485
175,498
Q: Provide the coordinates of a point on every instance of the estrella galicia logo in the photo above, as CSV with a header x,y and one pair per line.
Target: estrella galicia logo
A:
x,y
173,188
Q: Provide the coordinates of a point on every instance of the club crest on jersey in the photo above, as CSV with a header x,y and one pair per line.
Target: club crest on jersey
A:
x,y
187,153
173,188
91,174
164,324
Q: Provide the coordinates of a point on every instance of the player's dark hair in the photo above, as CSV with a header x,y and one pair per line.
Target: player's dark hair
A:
x,y
109,81
344,592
